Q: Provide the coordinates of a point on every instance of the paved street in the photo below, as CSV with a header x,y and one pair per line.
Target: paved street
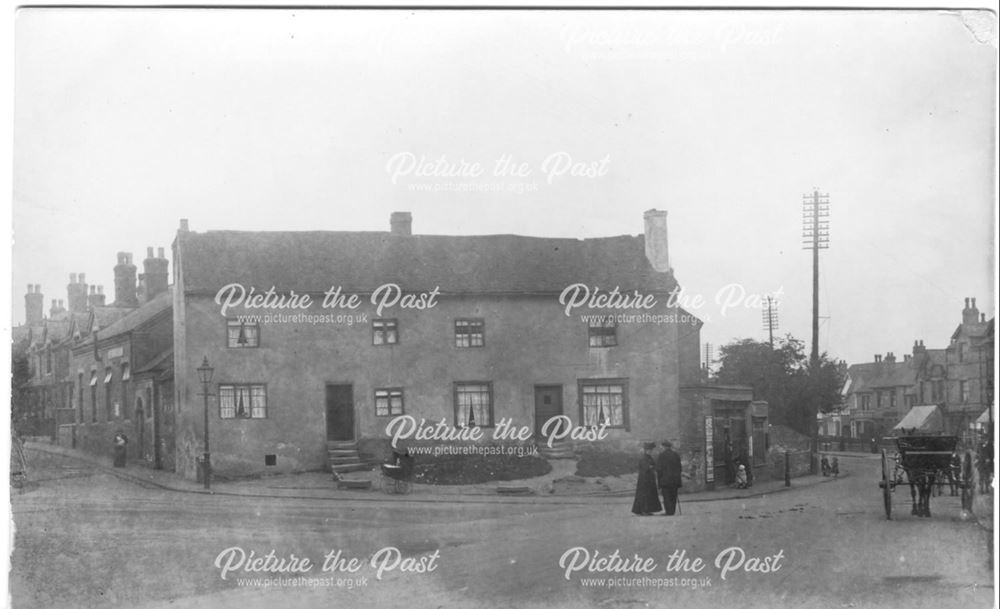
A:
x,y
87,539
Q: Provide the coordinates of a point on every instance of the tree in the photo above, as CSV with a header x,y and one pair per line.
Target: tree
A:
x,y
795,392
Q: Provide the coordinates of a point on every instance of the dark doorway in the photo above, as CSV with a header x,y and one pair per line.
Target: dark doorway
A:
x,y
140,429
548,404
339,413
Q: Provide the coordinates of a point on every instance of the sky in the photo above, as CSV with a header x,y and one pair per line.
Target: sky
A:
x,y
128,120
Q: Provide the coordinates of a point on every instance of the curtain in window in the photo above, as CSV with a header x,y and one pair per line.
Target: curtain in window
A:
x,y
242,402
473,404
603,404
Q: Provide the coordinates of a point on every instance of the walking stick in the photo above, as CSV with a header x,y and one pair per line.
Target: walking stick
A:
x,y
679,504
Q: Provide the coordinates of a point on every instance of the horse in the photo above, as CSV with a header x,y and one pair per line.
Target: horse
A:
x,y
921,482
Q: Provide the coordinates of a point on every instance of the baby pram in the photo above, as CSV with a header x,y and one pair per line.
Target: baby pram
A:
x,y
397,473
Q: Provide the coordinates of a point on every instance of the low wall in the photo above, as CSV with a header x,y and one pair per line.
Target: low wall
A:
x,y
799,463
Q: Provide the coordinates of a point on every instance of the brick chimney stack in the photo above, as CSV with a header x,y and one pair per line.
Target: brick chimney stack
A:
x,y
33,304
76,293
56,308
155,276
656,239
401,223
970,314
96,296
125,281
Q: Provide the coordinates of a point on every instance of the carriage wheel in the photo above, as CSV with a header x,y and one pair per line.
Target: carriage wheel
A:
x,y
887,480
968,483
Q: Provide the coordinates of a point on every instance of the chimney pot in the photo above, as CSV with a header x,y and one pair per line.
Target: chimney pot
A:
x,y
149,252
72,277
184,225
159,253
82,277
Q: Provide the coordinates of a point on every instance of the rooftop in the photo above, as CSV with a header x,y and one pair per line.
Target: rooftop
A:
x,y
313,261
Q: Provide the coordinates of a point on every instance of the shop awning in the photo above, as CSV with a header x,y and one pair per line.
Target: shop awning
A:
x,y
922,418
984,419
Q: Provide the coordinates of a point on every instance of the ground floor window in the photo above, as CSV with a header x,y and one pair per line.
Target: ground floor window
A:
x,y
474,404
246,401
388,402
604,403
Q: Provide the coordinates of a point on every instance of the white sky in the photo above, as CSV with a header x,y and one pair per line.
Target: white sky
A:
x,y
128,120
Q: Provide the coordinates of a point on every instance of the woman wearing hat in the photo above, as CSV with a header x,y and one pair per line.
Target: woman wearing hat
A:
x,y
647,500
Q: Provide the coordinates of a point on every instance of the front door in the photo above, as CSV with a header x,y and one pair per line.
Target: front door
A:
x,y
339,412
548,404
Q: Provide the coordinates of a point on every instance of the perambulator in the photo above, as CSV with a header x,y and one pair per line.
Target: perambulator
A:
x,y
397,473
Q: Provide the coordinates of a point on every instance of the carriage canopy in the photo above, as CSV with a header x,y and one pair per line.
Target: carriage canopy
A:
x,y
921,419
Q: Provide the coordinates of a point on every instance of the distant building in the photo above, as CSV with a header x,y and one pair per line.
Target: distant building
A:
x,y
968,367
45,341
878,394
957,378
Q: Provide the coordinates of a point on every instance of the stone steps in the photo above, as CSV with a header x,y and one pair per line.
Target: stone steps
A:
x,y
342,457
560,449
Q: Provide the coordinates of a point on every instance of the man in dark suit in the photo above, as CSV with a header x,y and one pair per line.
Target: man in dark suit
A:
x,y
668,473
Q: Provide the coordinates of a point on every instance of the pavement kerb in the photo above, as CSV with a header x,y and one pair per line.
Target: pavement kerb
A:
x,y
582,498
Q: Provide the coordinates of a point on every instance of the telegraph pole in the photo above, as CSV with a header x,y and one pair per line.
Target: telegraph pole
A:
x,y
815,236
770,318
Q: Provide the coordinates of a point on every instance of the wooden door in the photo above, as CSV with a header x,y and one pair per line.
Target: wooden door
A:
x,y
548,404
339,413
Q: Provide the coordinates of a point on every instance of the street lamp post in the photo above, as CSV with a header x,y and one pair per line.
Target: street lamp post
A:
x,y
205,372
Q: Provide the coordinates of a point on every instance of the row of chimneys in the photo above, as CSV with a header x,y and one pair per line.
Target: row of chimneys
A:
x,y
128,291
970,315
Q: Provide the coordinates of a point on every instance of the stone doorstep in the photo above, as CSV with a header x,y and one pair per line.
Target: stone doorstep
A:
x,y
514,489
356,485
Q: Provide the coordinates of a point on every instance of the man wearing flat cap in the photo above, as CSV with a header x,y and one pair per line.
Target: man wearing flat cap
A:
x,y
668,473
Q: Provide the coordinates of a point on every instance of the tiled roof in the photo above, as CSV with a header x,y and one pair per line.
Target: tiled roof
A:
x,y
161,361
362,261
137,317
876,375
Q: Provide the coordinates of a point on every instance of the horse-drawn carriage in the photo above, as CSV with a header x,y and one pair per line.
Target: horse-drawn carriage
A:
x,y
928,461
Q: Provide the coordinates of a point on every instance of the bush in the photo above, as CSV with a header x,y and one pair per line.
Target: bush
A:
x,y
600,463
476,469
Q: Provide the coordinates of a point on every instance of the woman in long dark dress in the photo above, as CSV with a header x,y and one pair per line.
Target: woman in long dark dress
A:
x,y
647,499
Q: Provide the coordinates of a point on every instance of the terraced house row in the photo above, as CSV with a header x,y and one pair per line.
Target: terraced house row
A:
x,y
367,326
